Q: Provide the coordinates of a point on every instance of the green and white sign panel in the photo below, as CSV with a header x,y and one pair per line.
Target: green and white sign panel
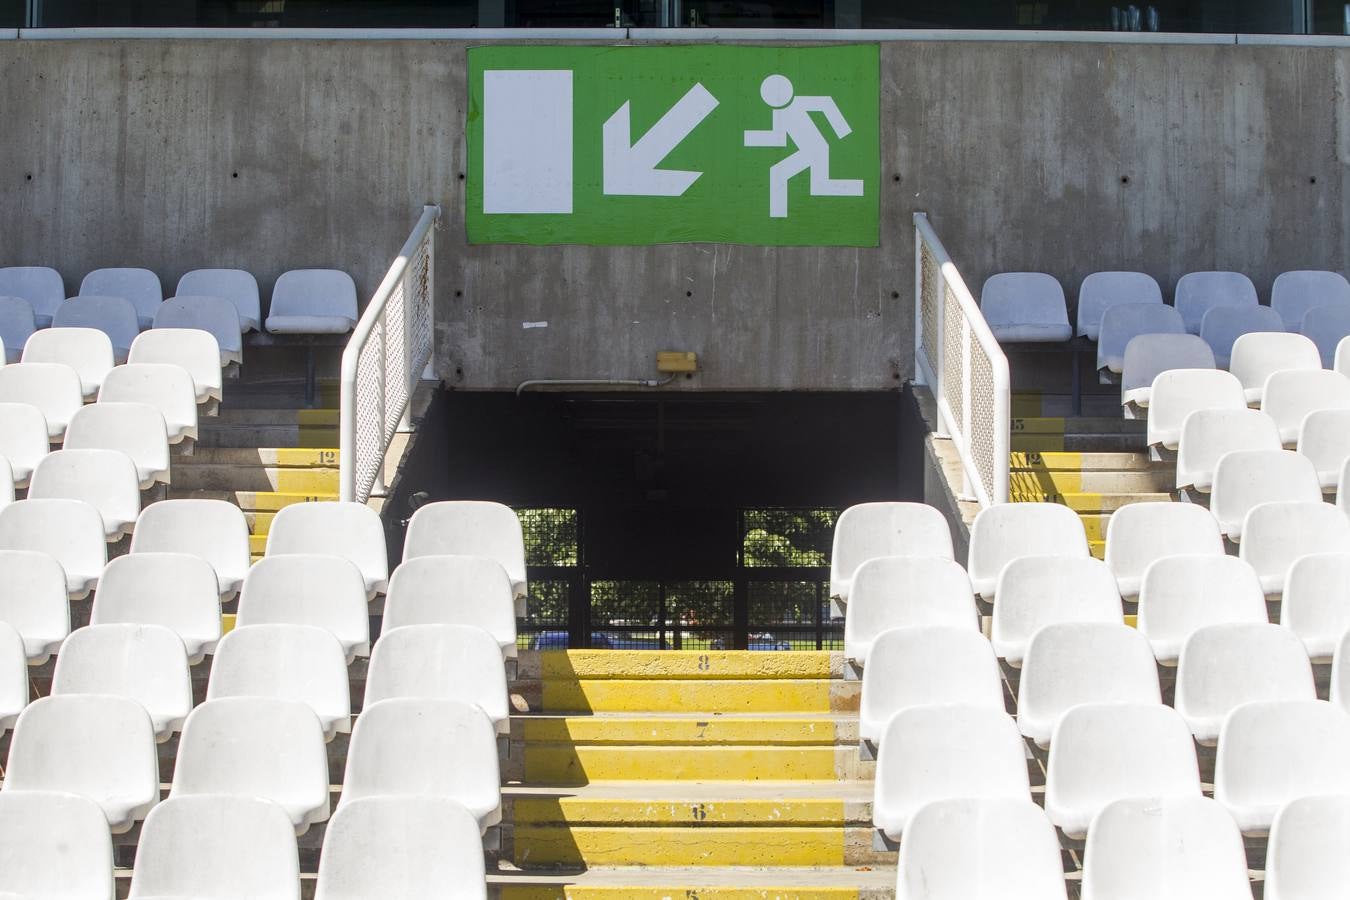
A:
x,y
647,145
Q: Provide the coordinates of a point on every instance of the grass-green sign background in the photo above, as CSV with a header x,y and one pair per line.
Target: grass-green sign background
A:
x,y
729,203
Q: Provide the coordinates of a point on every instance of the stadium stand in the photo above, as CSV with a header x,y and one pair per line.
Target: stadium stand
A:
x,y
140,287
54,845
175,590
1258,356
1036,591
453,590
313,589
1295,294
1223,325
88,351
1198,292
42,287
1181,594
145,663
1101,292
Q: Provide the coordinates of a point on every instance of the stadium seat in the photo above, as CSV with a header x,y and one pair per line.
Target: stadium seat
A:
x,y
1305,856
425,747
350,530
1223,666
217,317
1198,292
1180,594
453,590
1325,439
1276,534
923,665
1327,326
16,327
1005,531
53,388
105,479
191,348
40,286
13,678
1104,752
168,388
1291,396
471,528
175,590
1223,325
405,847
138,286
69,530
1258,356
311,589
256,747
98,746
23,439
146,663
897,591
214,530
869,530
1343,489
996,848
219,847
54,846
234,285
1025,307
1246,478
1034,591
1316,602
1139,534
6,482
1207,434
451,662
1165,848
135,429
1070,663
1275,751
1340,673
86,350
312,301
33,600
114,316
1104,291
940,752
1149,355
1295,293
1125,322
286,662
1177,393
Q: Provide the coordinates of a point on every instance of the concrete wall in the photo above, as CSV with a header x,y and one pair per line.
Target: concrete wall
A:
x,y
1068,158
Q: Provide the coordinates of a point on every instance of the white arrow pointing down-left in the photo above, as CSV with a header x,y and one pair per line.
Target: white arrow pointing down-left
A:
x,y
631,169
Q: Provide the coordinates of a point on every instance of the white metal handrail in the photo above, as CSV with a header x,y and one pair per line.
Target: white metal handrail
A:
x,y
383,361
957,355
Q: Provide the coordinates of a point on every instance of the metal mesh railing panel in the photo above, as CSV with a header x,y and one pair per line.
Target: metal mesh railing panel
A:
x,y
930,307
953,357
369,449
982,423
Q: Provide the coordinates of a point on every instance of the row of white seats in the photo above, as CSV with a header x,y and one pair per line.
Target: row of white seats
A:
x,y
91,354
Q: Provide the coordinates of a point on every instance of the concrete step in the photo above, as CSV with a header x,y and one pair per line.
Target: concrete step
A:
x,y
1086,502
283,436
284,479
1086,462
1053,483
695,883
252,501
278,457
1078,435
231,415
1102,400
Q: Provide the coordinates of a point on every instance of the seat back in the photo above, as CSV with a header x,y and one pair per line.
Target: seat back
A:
x,y
33,600
314,293
1020,306
114,316
1139,534
136,429
1223,325
54,845
1180,594
310,589
88,351
1177,393
1276,534
1198,292
1149,355
54,388
1316,602
452,590
287,662
869,530
1305,854
235,285
139,286
1327,326
1102,291
175,590
1257,356
13,677
1207,434
1035,591
897,591
1246,478
194,349
213,530
454,662
105,479
16,326
1005,531
146,663
168,388
1290,396
40,286
1124,322
1325,439
23,439
350,530
1295,294
469,528
71,531
218,317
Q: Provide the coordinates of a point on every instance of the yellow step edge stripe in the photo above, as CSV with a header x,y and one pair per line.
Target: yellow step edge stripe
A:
x,y
615,695
673,892
1039,461
568,764
666,664
537,845
579,811
306,481
657,730
1037,425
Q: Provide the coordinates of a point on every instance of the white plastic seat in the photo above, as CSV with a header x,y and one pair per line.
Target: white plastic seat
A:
x,y
1149,355
95,745
1138,534
1035,591
54,846
168,388
1305,856
234,285
452,662
427,747
1316,602
1292,396
214,530
1025,307
69,530
86,350
6,482
105,479
146,663
470,528
13,678
23,439
1295,293
312,301
311,589
996,848
1340,673
1166,848
1005,531
1124,322
1198,292
453,590
286,662
897,591
53,388
193,349
1101,292
136,429
16,327
1224,666
140,287
256,747
350,530
869,530
216,847
1104,752
175,590
114,316
1342,361
1223,325
1180,594
42,287
1343,489
1177,393
1246,478
939,752
926,664
1207,434
214,315
1276,534
1275,751
1072,663
1327,326
33,600
1325,439
401,847
1258,356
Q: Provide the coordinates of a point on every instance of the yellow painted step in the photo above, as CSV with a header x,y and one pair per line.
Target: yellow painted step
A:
x,y
544,845
569,764
699,730
257,543
632,665
687,695
692,891
646,812
1098,549
272,501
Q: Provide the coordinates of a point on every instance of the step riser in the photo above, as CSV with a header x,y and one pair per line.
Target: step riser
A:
x,y
550,846
1045,482
279,436
256,479
691,891
560,764
713,696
